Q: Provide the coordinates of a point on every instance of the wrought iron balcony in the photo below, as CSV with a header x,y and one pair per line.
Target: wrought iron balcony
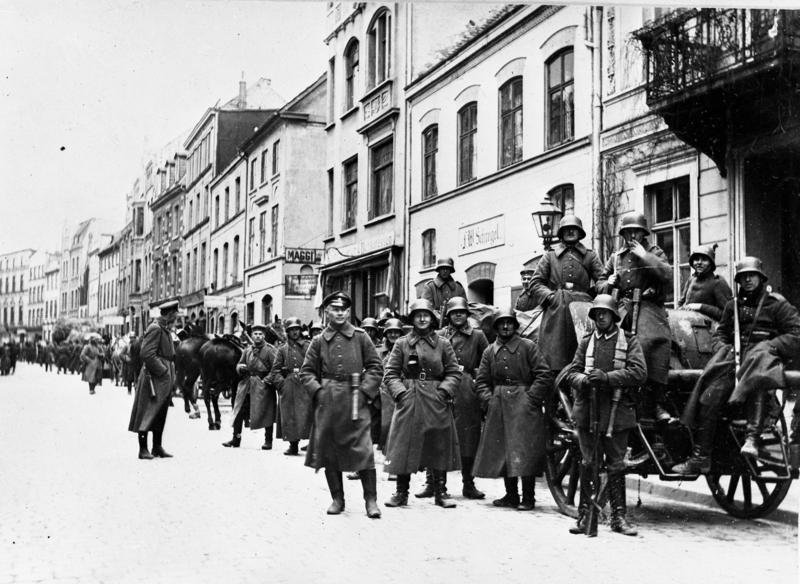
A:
x,y
691,51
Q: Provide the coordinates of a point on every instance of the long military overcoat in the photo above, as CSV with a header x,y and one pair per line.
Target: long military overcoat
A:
x,y
156,378
514,380
468,344
566,273
337,441
439,291
295,403
387,403
423,432
256,384
90,359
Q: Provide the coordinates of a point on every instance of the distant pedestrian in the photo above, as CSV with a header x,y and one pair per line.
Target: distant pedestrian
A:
x,y
91,363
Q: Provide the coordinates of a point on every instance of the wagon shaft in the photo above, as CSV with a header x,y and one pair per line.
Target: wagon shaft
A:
x,y
690,376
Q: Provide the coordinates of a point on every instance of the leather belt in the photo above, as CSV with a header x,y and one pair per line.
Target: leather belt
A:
x,y
508,381
341,377
423,377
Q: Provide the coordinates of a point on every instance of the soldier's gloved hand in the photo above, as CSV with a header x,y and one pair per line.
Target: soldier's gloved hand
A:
x,y
613,280
598,377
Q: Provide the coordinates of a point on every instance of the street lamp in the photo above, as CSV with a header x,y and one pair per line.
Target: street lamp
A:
x,y
546,220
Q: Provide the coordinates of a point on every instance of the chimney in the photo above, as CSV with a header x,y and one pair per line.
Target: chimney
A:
x,y
242,93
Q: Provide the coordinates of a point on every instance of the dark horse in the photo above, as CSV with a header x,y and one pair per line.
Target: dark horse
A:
x,y
218,359
187,370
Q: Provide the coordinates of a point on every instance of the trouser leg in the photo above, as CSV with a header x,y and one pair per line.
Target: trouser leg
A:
x,y
158,432
267,438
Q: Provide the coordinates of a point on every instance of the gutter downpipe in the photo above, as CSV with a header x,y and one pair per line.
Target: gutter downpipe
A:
x,y
405,277
595,17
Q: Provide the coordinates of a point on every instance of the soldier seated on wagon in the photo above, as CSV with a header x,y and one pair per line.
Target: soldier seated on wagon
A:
x,y
705,292
759,331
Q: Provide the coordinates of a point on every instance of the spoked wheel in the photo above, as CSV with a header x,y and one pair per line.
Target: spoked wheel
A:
x,y
563,460
749,489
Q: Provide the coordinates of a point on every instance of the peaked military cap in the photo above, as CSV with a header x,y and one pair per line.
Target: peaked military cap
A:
x,y
259,327
341,299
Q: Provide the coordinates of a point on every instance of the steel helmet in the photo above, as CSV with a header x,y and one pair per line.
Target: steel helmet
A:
x,y
749,264
605,301
456,303
505,314
571,221
633,220
421,304
393,324
317,325
292,322
446,263
369,322
708,251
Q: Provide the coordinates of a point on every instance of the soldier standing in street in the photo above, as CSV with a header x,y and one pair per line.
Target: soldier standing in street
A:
x,y
443,287
564,274
392,330
705,292
422,375
768,327
295,405
640,275
255,394
610,362
341,372
513,383
155,383
90,360
468,344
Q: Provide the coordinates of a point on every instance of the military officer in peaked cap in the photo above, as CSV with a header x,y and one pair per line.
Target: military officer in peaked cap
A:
x,y
443,287
526,300
342,373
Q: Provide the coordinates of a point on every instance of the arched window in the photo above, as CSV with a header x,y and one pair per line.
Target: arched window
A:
x,y
560,98
221,327
350,74
380,48
511,122
563,198
266,309
430,150
467,153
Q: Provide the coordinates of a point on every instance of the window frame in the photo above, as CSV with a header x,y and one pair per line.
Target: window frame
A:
x,y
379,48
674,226
349,197
374,210
428,248
564,135
510,113
463,135
351,69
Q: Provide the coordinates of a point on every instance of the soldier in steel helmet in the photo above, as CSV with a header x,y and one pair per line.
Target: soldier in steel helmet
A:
x,y
370,325
294,402
342,373
443,287
564,274
392,330
607,360
513,383
769,335
422,375
639,273
705,292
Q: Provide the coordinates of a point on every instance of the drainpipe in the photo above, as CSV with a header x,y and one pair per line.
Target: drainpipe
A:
x,y
595,20
405,278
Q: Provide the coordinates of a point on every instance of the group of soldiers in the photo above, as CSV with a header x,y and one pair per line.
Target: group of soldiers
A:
x,y
445,398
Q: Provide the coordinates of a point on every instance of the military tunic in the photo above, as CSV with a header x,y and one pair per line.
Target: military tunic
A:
x,y
653,276
156,378
295,403
337,442
468,344
439,291
710,291
513,382
423,431
563,275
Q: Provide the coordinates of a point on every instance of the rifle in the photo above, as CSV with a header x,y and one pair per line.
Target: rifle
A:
x,y
737,337
594,506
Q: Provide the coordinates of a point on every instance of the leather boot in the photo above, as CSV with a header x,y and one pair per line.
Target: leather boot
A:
x,y
292,450
659,396
755,420
267,438
336,488
439,490
619,522
427,491
528,494
469,490
144,453
234,442
158,450
400,497
583,502
700,460
369,482
511,498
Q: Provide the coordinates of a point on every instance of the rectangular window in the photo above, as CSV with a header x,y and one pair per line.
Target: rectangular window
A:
x,y
194,273
177,222
430,149
251,241
274,242
428,248
139,221
238,192
511,122
215,269
467,154
235,260
262,236
202,265
350,193
216,211
227,203
253,174
560,99
669,215
331,92
264,155
275,156
187,274
382,179
330,201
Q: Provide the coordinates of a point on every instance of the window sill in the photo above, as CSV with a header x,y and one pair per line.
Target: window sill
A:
x,y
379,219
348,231
330,126
328,238
349,112
428,269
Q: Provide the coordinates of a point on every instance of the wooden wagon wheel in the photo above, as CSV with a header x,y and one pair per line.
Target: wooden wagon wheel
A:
x,y
563,458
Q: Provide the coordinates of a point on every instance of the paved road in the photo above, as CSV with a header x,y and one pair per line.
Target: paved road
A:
x,y
78,506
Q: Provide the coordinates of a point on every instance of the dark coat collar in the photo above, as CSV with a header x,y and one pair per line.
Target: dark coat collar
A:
x,y
347,330
450,331
561,248
431,338
512,345
439,282
612,332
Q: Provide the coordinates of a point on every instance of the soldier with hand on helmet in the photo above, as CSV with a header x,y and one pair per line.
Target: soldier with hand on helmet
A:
x,y
705,292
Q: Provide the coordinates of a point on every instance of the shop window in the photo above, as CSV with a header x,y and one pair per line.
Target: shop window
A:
x,y
511,122
428,248
382,159
560,98
467,131
670,228
430,149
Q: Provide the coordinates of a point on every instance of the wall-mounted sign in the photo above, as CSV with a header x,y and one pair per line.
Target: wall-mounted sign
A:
x,y
482,235
301,285
302,255
364,246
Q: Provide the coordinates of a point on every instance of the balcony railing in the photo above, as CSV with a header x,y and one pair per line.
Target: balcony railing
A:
x,y
690,47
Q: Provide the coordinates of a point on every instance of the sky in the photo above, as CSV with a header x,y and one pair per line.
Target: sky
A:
x,y
89,87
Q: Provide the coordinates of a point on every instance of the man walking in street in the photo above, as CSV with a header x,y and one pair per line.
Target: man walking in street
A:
x,y
443,287
155,383
255,394
295,404
342,372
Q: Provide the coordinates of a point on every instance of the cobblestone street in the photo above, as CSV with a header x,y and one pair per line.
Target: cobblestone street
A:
x,y
78,506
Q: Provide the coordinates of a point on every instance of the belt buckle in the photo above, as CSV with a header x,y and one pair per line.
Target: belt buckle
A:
x,y
423,376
